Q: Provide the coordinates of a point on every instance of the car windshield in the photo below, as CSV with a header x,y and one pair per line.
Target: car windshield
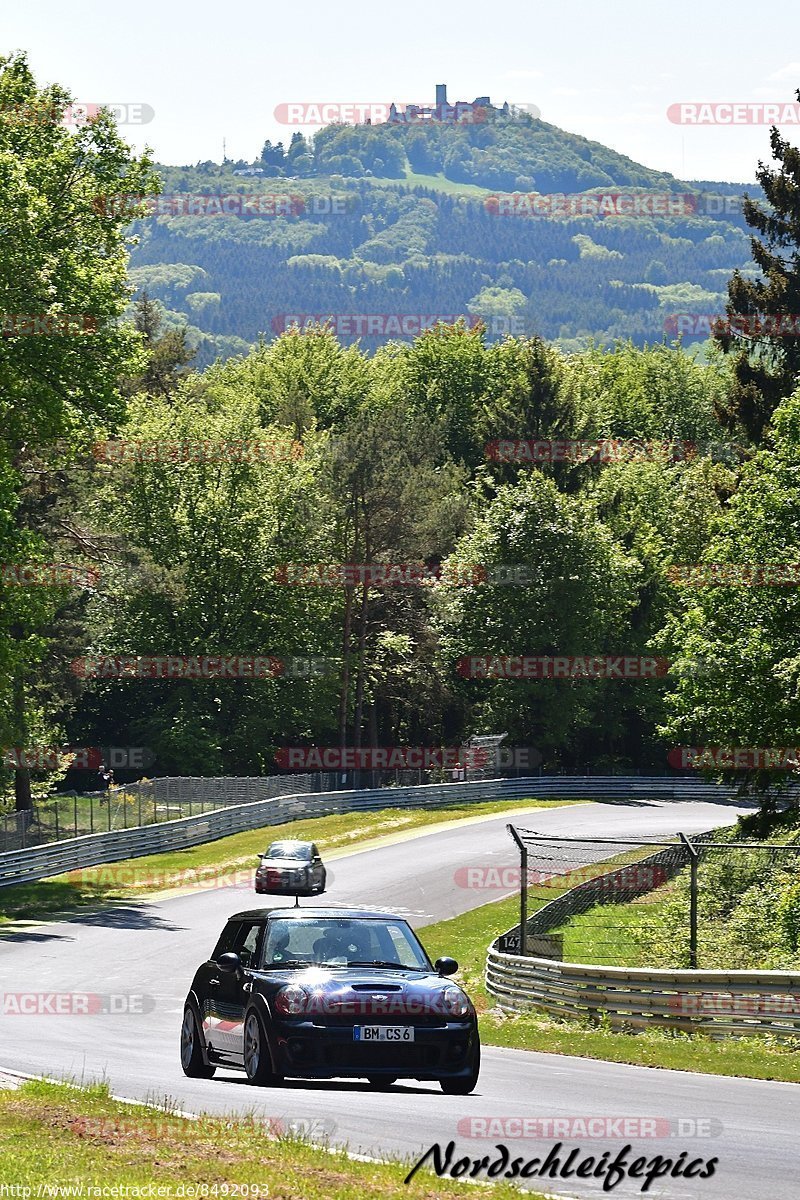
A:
x,y
342,942
288,850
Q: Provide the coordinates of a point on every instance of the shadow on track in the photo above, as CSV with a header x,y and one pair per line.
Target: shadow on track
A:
x,y
126,917
402,1087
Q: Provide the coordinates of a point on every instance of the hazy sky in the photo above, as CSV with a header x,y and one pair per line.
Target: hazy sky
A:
x,y
606,70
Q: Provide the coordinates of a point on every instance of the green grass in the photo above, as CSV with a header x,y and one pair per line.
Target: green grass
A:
x,y
467,938
606,933
437,182
230,859
57,1135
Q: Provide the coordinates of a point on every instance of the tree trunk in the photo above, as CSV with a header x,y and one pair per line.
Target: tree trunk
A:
x,y
362,644
345,692
23,799
373,736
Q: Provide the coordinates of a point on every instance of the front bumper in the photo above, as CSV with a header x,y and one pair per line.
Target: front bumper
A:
x,y
306,1050
284,887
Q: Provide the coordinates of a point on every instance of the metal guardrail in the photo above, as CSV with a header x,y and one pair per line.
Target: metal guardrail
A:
x,y
717,1003
41,862
617,787
255,810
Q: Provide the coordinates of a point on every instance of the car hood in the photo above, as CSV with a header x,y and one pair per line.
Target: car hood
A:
x,y
365,991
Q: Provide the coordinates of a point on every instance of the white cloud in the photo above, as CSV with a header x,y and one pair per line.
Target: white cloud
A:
x,y
790,71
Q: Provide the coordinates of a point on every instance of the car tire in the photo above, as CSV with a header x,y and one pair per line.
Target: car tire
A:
x,y
381,1083
257,1058
467,1083
192,1061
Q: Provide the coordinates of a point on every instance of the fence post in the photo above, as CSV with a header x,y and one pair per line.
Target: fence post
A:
x,y
75,811
692,902
91,814
523,891
139,793
55,808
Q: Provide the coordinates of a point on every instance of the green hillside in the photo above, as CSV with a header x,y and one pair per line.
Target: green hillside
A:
x,y
401,220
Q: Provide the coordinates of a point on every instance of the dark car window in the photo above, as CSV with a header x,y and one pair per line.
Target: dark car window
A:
x,y
341,940
246,943
226,939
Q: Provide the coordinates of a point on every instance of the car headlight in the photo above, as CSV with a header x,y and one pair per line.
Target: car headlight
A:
x,y
291,1000
455,1002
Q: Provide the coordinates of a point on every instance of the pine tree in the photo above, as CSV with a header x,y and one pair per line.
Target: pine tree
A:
x,y
762,313
168,352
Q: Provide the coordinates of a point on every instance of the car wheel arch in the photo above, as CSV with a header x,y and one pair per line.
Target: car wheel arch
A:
x,y
193,1003
259,1004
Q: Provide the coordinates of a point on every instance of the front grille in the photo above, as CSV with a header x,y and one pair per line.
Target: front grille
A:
x,y
364,1055
419,1021
355,1058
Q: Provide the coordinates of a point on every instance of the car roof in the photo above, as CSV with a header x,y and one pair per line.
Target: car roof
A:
x,y
263,914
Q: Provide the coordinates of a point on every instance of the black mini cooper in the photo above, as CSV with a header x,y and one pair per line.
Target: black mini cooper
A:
x,y
322,993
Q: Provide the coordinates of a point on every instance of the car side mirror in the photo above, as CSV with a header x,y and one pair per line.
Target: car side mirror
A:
x,y
229,963
446,966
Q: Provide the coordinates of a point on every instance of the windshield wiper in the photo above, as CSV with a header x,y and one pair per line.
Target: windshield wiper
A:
x,y
289,962
379,962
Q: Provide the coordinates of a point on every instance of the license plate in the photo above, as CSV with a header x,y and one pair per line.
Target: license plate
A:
x,y
383,1033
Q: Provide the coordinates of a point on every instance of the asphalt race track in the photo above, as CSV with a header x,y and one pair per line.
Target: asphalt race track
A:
x,y
152,949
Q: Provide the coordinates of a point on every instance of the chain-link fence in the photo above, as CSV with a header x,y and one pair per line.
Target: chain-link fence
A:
x,y
72,814
704,901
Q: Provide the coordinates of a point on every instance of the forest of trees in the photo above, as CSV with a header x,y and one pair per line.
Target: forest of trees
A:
x,y
127,459
353,246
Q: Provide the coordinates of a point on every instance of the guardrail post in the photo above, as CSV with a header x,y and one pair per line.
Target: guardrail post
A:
x,y
694,853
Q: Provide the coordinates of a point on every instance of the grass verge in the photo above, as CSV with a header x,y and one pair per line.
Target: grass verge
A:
x,y
231,859
57,1136
468,937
